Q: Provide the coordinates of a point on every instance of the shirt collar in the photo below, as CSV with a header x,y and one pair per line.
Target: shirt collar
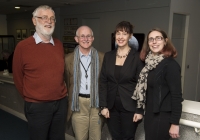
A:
x,y
82,55
39,40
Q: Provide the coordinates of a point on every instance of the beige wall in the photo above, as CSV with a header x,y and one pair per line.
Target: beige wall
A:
x,y
3,25
143,14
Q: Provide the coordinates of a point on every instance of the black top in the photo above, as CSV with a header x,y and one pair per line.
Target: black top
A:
x,y
117,71
165,87
117,74
3,65
149,93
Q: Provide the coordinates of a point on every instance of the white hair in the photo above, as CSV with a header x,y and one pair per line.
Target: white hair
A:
x,y
77,31
42,7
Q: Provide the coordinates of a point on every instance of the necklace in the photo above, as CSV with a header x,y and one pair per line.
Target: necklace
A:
x,y
123,56
86,75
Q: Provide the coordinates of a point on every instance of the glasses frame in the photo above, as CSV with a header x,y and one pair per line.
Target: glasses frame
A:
x,y
157,38
45,19
82,37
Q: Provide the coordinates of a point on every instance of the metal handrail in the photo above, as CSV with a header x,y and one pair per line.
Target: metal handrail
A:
x,y
189,123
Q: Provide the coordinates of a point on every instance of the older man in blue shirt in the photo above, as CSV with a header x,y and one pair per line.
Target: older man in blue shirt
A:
x,y
82,69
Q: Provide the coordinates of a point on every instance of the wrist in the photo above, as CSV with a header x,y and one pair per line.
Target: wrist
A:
x,y
102,107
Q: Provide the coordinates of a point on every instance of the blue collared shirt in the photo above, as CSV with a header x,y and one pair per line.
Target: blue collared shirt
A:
x,y
39,40
85,59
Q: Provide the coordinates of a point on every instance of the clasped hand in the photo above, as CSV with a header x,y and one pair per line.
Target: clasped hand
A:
x,y
105,113
136,117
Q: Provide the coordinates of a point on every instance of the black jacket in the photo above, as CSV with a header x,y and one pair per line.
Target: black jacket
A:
x,y
125,86
167,89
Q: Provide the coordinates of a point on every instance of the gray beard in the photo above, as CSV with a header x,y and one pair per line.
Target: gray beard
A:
x,y
40,29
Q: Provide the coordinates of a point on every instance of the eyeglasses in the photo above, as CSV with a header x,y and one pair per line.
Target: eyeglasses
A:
x,y
45,18
157,38
83,37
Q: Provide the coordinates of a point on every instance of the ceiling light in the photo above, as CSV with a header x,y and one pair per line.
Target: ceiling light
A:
x,y
67,3
17,7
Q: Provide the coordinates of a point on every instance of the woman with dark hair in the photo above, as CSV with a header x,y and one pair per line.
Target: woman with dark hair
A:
x,y
119,75
159,87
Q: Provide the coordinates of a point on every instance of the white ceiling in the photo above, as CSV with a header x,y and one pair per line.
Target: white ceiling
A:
x,y
7,6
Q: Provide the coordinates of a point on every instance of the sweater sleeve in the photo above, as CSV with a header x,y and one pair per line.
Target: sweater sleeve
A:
x,y
173,78
18,73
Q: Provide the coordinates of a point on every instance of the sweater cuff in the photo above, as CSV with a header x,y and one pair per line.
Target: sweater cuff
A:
x,y
139,111
176,122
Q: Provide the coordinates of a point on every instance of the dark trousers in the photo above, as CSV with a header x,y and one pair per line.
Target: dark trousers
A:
x,y
47,120
120,123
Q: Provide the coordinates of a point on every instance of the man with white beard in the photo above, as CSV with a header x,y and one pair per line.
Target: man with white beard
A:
x,y
38,70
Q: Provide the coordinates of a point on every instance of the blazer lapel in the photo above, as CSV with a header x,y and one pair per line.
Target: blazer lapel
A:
x,y
127,63
112,63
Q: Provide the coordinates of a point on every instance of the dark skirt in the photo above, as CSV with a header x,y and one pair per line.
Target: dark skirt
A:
x,y
157,126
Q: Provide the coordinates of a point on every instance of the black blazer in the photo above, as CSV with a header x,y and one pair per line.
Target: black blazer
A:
x,y
125,86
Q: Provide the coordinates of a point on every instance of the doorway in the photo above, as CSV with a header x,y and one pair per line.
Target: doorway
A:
x,y
179,39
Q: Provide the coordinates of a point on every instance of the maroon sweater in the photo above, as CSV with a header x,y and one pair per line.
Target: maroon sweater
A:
x,y
38,70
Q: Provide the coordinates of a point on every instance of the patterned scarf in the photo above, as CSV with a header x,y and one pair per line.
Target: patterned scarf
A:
x,y
139,94
94,93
